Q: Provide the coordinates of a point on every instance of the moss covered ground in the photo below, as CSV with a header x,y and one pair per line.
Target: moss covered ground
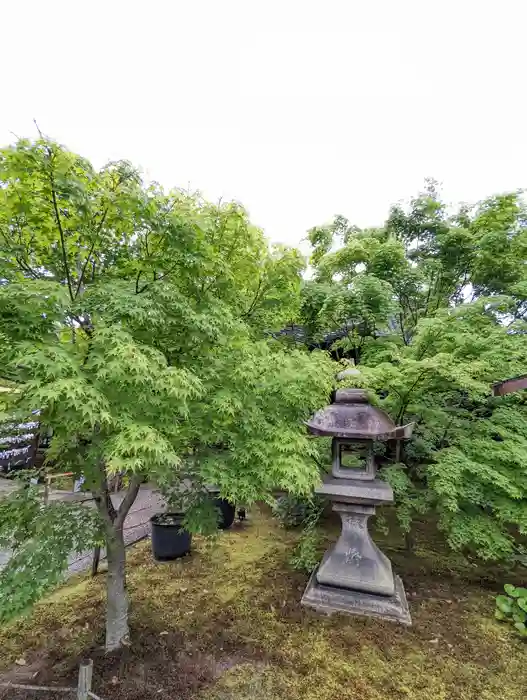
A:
x,y
226,624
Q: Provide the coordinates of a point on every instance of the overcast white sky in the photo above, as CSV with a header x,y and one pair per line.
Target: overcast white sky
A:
x,y
298,109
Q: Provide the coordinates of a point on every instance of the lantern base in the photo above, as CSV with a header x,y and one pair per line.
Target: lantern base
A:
x,y
330,599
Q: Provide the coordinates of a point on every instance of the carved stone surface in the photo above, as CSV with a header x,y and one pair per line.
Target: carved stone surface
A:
x,y
355,561
329,600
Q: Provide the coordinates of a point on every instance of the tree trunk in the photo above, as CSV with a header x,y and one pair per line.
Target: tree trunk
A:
x,y
409,542
117,631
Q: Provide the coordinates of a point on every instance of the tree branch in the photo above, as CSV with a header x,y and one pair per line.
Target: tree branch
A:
x,y
406,402
103,499
403,333
427,301
61,233
95,241
442,442
254,301
25,268
128,500
86,325
158,279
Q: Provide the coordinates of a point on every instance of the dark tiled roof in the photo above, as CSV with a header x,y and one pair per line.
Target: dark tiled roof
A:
x,y
299,334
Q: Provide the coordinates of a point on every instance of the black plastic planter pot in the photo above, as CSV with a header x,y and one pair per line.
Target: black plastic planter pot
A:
x,y
169,540
228,512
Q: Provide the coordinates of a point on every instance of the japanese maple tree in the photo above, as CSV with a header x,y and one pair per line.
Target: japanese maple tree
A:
x,y
134,320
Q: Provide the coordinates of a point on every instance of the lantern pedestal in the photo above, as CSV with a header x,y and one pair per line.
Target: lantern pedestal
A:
x,y
356,562
355,577
329,600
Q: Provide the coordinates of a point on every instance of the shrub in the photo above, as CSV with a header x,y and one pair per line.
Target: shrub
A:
x,y
512,608
294,511
306,554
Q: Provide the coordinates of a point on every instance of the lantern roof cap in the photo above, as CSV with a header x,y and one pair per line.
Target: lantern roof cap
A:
x,y
352,416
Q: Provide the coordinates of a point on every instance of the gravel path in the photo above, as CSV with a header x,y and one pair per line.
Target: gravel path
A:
x,y
136,525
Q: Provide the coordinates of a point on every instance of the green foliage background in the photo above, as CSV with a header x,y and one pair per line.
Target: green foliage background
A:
x,y
432,310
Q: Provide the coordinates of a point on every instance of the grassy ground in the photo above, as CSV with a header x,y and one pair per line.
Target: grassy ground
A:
x,y
226,624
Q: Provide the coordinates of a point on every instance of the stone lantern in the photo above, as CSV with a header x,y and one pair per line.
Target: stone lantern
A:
x,y
355,576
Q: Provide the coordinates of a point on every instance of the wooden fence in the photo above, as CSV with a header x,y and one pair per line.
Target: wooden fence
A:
x,y
83,690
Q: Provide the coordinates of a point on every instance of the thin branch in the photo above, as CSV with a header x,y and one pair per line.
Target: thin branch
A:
x,y
25,267
38,129
61,233
158,279
443,438
86,325
405,404
254,301
146,245
461,287
397,392
403,333
437,290
95,241
427,301
19,226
